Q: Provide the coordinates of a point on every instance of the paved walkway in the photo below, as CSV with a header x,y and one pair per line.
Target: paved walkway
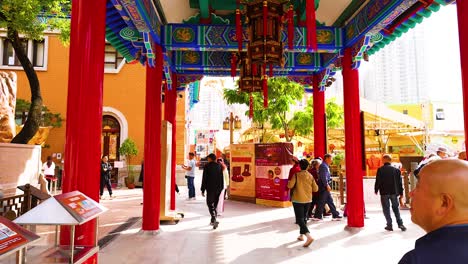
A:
x,y
249,233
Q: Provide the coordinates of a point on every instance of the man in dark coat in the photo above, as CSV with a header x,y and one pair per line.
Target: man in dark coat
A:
x,y
439,205
213,184
388,183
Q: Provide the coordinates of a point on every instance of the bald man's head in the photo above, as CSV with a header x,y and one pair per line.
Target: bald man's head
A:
x,y
441,195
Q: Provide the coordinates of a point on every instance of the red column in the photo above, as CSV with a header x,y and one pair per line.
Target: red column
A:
x,y
354,181
319,120
170,109
462,8
172,119
84,109
153,120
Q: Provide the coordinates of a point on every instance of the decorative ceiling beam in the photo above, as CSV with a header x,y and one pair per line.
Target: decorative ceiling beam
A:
x,y
211,60
358,50
223,38
144,16
223,72
374,17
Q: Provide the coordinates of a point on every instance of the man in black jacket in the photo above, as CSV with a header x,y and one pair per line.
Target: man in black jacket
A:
x,y
213,183
388,183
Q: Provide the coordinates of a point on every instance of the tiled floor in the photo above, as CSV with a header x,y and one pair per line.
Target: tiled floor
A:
x,y
255,234
247,233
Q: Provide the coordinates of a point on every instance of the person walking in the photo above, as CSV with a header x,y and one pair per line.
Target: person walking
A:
x,y
213,184
190,175
313,170
106,170
388,184
303,185
49,171
324,191
439,206
220,208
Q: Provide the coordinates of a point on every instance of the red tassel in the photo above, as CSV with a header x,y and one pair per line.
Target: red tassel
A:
x,y
251,107
291,27
233,65
265,18
271,70
265,91
254,70
239,33
311,25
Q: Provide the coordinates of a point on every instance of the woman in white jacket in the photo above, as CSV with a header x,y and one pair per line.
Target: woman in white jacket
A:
x,y
49,171
220,208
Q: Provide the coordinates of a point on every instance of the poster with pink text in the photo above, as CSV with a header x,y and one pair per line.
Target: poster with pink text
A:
x,y
272,163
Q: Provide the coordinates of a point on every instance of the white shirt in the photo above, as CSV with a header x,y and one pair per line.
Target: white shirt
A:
x,y
192,164
48,170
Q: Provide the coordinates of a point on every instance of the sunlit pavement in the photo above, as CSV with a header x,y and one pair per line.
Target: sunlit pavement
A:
x,y
247,233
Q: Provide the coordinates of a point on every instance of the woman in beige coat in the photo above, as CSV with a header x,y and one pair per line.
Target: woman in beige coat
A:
x,y
302,185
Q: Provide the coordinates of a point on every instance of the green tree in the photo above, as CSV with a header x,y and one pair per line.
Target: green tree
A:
x,y
30,18
48,118
303,121
282,94
128,149
334,114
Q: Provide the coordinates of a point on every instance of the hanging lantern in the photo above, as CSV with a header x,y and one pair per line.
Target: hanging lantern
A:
x,y
237,123
226,124
233,65
265,27
249,80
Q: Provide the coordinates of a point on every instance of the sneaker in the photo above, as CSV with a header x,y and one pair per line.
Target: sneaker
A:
x,y
316,219
215,225
402,227
337,218
389,228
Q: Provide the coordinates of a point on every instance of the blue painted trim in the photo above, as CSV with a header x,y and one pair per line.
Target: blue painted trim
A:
x,y
382,16
142,10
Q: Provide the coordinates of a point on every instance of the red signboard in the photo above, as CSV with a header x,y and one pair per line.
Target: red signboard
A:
x,y
273,154
13,236
80,206
273,162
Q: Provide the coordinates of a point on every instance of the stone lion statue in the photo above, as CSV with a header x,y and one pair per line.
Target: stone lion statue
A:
x,y
8,90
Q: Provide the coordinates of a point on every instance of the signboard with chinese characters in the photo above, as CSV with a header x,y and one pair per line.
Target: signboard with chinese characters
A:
x,y
81,207
242,178
13,236
272,163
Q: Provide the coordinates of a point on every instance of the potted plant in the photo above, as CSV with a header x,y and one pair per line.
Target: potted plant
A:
x,y
129,150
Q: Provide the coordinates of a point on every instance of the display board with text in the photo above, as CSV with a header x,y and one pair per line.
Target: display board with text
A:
x,y
13,237
242,178
272,165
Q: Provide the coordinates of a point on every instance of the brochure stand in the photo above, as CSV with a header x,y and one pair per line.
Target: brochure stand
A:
x,y
14,239
68,209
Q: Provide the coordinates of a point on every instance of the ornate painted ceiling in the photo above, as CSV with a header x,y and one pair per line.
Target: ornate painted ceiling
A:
x,y
198,36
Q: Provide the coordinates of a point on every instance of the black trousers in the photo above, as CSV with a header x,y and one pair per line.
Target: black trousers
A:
x,y
212,199
105,182
300,211
315,200
325,198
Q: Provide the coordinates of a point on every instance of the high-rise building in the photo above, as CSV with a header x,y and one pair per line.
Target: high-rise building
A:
x,y
397,73
422,65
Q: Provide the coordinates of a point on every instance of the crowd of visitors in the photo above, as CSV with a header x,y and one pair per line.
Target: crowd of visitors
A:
x,y
438,203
